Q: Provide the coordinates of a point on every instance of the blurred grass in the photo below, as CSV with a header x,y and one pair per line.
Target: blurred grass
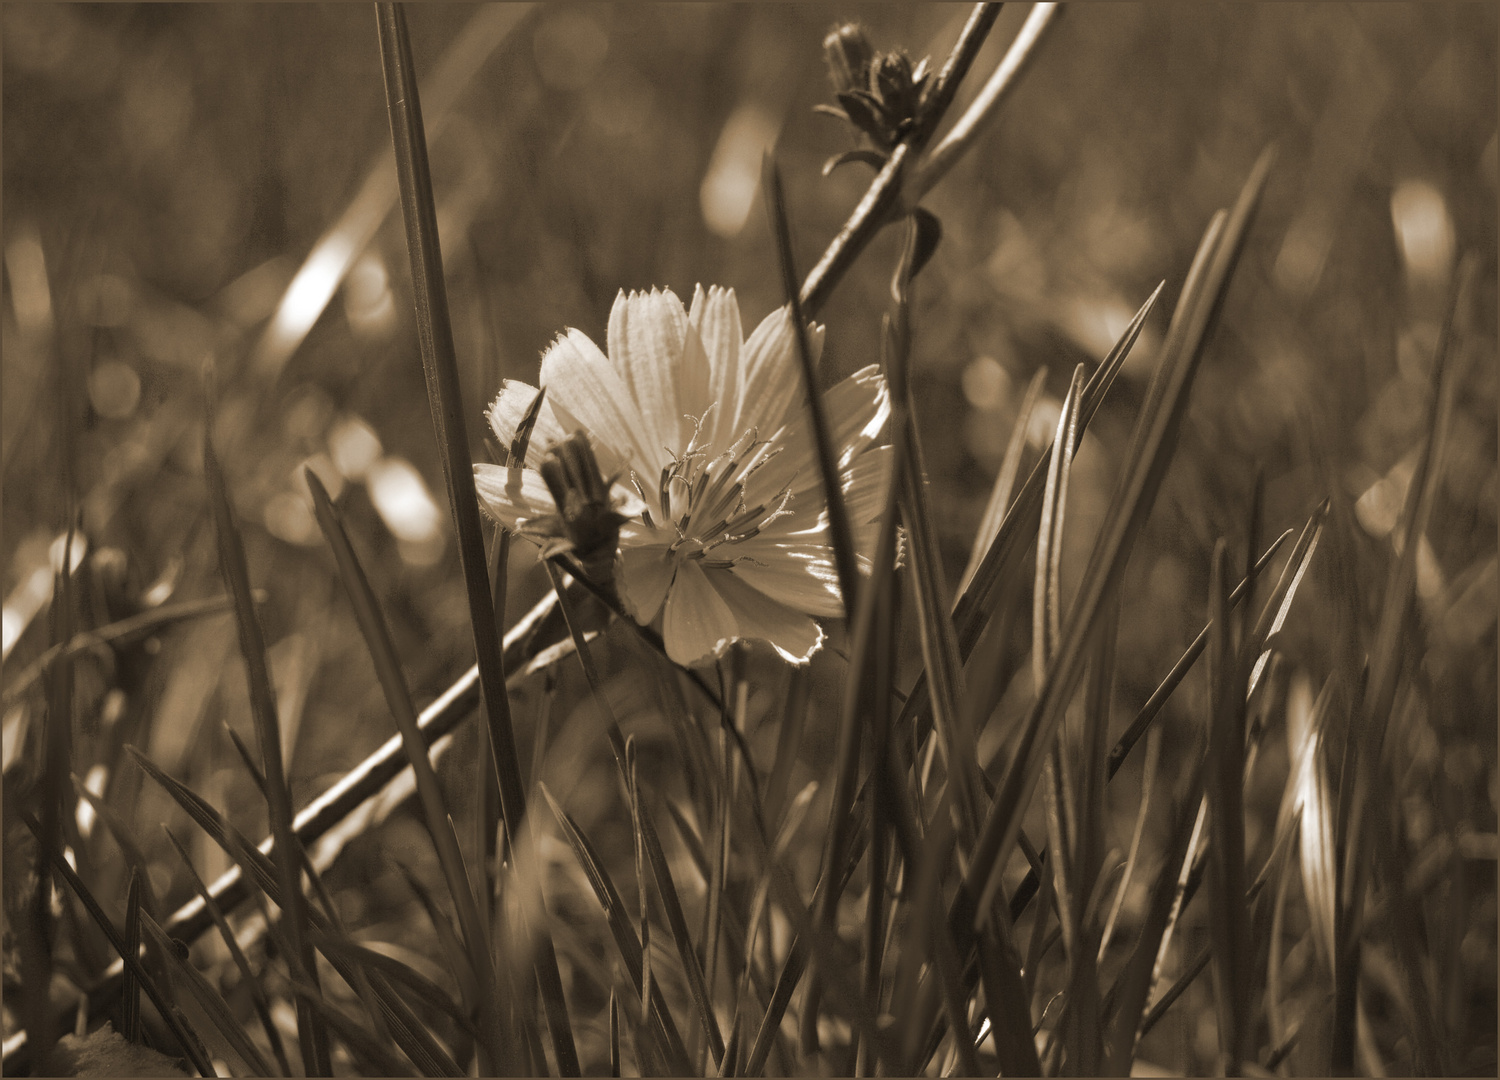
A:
x,y
167,168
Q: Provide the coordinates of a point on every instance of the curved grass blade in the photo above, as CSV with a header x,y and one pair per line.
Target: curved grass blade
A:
x,y
398,973
312,1039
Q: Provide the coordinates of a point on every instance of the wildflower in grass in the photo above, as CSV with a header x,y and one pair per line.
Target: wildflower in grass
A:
x,y
703,445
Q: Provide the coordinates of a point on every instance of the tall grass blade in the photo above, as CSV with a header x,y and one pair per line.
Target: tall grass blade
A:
x,y
972,609
1226,851
1145,464
1387,659
1148,782
940,652
130,998
445,398
1005,480
312,1039
840,534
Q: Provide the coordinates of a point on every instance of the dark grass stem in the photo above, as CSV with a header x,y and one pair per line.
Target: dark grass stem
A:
x,y
840,533
445,398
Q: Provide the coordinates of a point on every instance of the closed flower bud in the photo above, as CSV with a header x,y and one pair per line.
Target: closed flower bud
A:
x,y
849,53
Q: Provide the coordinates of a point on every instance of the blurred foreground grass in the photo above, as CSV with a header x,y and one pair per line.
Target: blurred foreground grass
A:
x,y
169,168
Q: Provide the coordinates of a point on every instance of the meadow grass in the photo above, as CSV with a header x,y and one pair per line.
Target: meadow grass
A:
x,y
944,885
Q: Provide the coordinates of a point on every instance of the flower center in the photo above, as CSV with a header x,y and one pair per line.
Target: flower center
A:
x,y
702,499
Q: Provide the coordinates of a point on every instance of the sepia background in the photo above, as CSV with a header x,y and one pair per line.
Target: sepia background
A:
x,y
196,183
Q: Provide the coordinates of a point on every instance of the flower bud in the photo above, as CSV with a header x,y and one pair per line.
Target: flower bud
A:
x,y
849,53
589,525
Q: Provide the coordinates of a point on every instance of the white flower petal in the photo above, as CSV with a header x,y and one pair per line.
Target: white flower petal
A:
x,y
586,392
793,635
512,496
509,409
697,623
771,376
652,345
645,576
715,314
864,482
856,409
801,576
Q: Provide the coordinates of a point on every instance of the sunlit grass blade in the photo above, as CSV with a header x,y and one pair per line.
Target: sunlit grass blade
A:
x,y
661,1021
373,628
231,944
1386,662
1226,852
210,1002
1005,480
312,1039
189,1044
445,399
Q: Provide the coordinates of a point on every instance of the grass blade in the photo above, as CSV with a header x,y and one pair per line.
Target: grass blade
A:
x,y
840,534
971,611
445,399
1226,852
130,1000
1385,665
375,1058
311,1037
667,891
1144,467
1005,480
